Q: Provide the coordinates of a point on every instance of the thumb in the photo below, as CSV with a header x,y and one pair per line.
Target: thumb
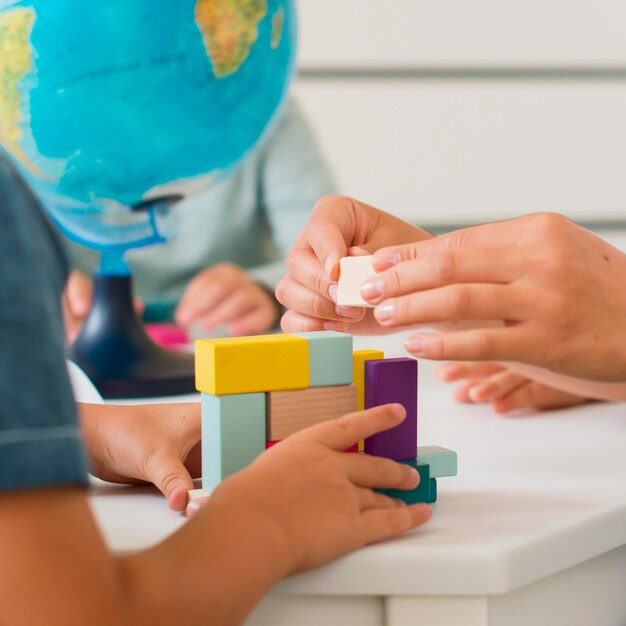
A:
x,y
167,472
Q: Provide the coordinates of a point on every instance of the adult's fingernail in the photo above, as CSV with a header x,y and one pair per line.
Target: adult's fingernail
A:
x,y
333,290
372,289
415,345
384,260
384,312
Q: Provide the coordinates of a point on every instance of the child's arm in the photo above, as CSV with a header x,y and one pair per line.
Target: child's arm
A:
x,y
299,505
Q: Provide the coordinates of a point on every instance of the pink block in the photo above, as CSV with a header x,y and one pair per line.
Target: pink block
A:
x,y
167,335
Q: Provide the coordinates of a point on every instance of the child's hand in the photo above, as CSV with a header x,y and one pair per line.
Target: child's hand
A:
x,y
338,227
226,294
505,389
76,303
157,444
314,501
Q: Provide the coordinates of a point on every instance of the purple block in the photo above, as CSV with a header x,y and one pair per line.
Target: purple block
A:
x,y
393,380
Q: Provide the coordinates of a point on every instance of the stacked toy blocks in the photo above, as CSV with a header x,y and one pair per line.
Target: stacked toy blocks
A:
x,y
259,390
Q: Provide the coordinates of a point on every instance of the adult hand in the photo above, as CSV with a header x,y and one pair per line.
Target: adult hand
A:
x,y
557,291
505,389
157,444
316,501
338,227
226,294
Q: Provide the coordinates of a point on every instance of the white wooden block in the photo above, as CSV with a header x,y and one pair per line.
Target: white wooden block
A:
x,y
196,497
353,272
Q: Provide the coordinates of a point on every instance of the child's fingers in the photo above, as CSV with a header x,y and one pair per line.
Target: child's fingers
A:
x,y
379,524
294,322
496,386
235,305
451,372
304,267
296,296
255,321
377,472
345,431
167,472
537,396
324,232
461,393
204,293
369,499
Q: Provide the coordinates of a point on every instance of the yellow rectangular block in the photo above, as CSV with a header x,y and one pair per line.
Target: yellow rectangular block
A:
x,y
358,368
251,364
287,412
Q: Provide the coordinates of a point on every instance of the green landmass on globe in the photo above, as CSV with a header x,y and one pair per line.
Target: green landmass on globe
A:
x,y
104,106
16,60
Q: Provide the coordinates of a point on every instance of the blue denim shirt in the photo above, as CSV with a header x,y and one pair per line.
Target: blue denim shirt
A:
x,y
40,439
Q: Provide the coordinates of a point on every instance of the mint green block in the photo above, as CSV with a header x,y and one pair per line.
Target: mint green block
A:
x,y
233,434
330,358
443,462
422,493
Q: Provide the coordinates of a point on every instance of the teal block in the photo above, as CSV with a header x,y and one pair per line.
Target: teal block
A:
x,y
433,490
443,462
422,493
233,434
330,358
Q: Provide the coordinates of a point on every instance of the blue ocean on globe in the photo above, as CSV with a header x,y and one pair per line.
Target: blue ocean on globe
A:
x,y
110,105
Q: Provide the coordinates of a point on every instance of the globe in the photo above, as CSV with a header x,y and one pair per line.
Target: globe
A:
x,y
115,110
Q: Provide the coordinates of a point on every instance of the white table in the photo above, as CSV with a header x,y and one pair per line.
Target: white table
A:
x,y
532,532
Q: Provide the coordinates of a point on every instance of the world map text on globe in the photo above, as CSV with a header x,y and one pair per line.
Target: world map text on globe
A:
x,y
229,29
16,59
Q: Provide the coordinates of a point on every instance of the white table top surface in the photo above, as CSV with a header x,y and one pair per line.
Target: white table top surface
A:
x,y
534,496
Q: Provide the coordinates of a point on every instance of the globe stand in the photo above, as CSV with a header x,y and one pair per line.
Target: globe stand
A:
x,y
114,350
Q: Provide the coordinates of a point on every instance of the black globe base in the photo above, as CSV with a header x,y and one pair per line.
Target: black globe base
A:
x,y
114,350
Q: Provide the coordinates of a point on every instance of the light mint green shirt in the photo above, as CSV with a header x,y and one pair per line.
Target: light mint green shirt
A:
x,y
251,218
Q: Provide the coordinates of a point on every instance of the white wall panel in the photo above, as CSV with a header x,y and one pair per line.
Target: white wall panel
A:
x,y
438,152
501,33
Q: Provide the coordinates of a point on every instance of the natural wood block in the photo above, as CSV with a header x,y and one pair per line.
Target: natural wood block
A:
x,y
358,372
353,272
237,365
287,412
